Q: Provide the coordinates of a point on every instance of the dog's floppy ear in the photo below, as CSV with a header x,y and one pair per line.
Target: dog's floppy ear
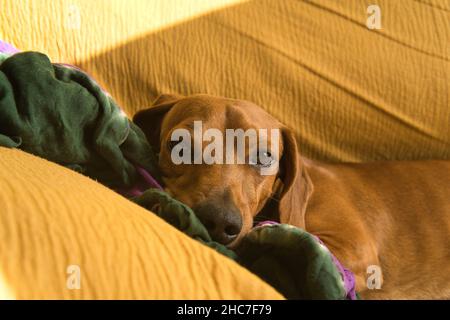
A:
x,y
150,120
297,186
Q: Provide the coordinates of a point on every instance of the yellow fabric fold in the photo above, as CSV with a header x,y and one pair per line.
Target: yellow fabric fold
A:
x,y
61,231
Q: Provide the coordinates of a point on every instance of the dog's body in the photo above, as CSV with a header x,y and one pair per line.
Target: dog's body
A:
x,y
391,215
395,215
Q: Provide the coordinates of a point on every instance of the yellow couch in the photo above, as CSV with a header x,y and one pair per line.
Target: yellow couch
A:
x,y
349,93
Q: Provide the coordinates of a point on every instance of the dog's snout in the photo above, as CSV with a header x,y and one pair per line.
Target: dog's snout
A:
x,y
224,223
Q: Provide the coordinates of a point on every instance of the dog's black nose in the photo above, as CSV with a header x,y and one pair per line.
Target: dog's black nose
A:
x,y
224,223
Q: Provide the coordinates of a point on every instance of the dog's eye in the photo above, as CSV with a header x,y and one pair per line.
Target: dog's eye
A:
x,y
264,159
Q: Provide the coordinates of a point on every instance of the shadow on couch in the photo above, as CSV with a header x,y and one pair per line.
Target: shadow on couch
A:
x,y
349,93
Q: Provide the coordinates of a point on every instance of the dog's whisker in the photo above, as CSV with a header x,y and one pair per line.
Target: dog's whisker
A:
x,y
271,196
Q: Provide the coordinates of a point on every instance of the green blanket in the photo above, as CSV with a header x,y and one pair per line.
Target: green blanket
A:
x,y
59,113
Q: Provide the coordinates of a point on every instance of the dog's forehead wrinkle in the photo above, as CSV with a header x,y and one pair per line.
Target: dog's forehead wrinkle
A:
x,y
249,116
183,111
235,116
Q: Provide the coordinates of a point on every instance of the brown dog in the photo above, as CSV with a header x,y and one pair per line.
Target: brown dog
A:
x,y
391,215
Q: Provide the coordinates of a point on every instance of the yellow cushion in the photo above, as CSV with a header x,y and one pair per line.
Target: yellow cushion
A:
x,y
350,93
52,219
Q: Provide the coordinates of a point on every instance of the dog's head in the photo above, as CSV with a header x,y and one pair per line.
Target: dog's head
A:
x,y
226,196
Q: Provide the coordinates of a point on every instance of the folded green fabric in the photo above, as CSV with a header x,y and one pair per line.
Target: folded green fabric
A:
x,y
59,113
293,262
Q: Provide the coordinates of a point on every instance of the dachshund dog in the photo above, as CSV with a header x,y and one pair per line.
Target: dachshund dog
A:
x,y
394,216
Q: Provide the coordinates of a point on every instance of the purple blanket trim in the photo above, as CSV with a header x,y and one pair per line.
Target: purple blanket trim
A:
x,y
347,276
148,178
145,181
266,223
7,48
